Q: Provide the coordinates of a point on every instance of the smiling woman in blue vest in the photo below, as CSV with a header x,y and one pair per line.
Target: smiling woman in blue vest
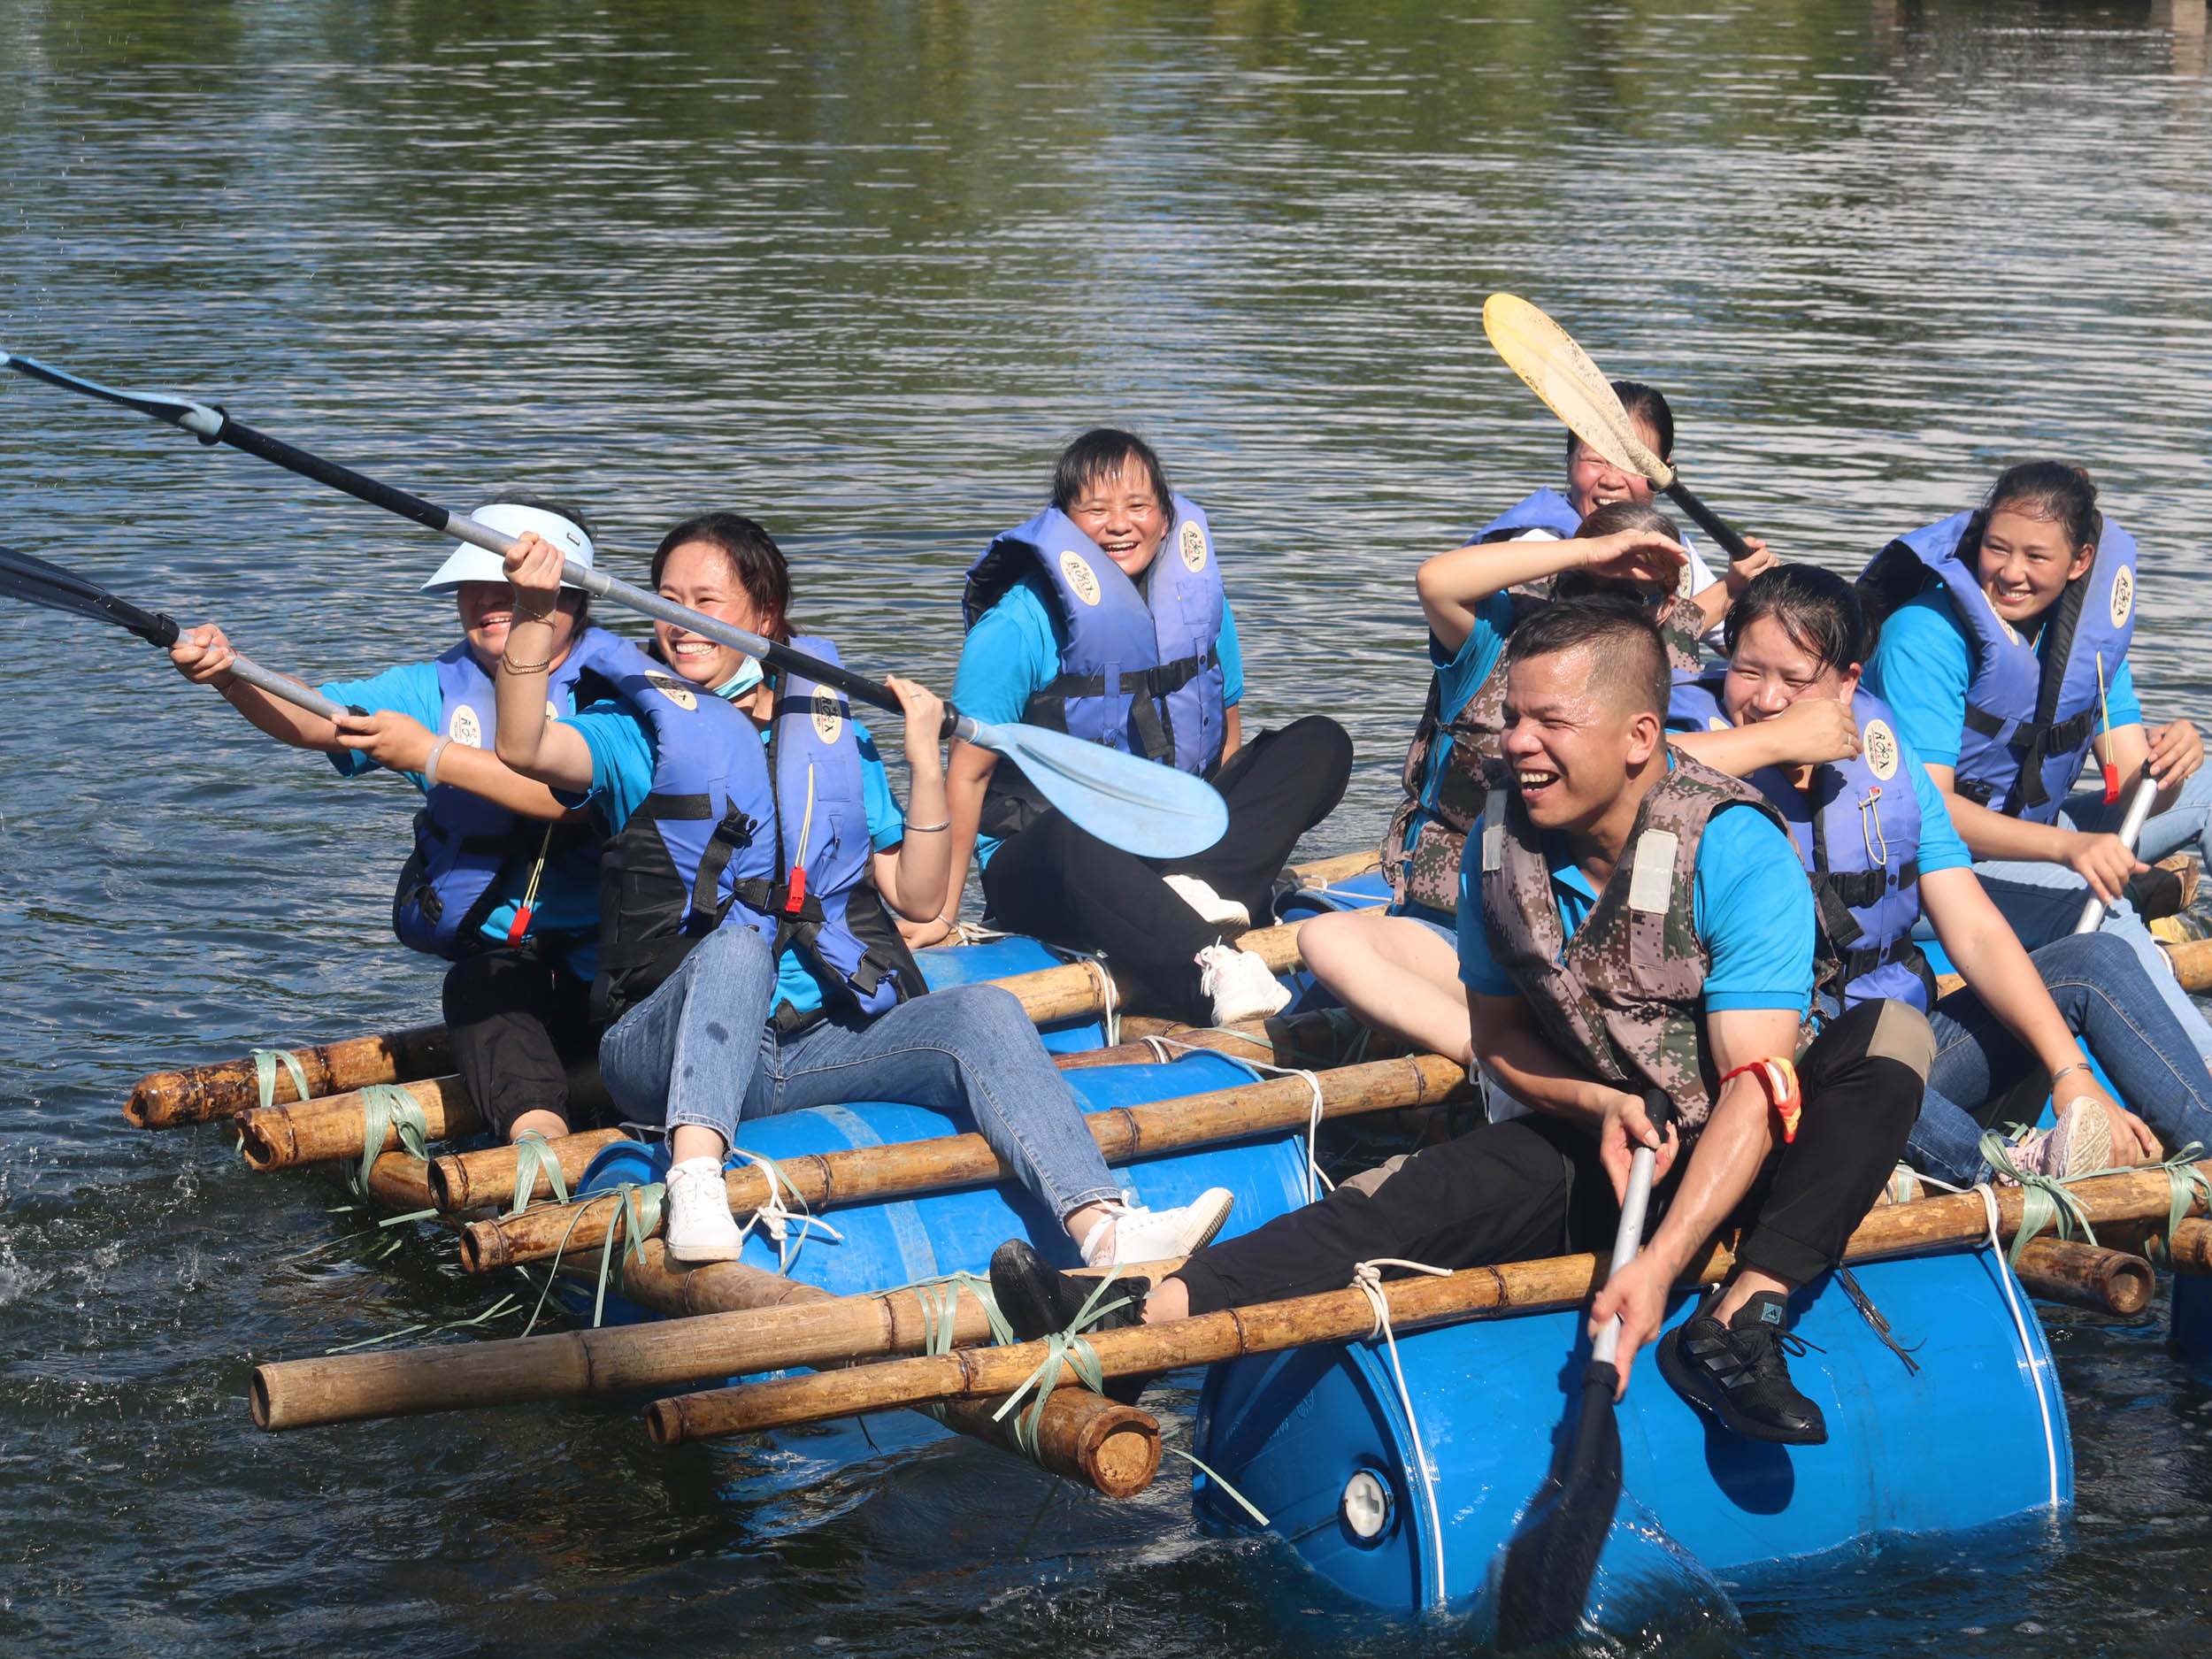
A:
x,y
748,961
2002,646
503,880
1790,717
1105,615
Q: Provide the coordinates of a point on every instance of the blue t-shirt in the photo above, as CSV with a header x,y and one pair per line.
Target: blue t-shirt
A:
x,y
1925,662
1754,910
568,892
623,753
1013,652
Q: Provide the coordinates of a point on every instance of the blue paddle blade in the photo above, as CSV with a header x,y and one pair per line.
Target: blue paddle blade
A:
x,y
1138,805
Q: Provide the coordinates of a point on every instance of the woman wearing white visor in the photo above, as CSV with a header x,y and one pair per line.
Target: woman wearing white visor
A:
x,y
502,881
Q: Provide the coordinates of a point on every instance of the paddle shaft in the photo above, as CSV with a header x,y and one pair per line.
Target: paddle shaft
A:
x,y
461,527
2131,831
1708,520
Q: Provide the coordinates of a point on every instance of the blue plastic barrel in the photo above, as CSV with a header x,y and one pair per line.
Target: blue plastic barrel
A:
x,y
1977,1435
883,1245
945,966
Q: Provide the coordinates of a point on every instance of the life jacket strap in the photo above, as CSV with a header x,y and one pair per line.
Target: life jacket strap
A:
x,y
2035,743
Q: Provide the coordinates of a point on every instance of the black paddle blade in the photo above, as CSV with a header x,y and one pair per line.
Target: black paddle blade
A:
x,y
1553,1557
36,582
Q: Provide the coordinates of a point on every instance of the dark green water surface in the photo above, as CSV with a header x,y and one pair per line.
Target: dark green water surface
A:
x,y
858,270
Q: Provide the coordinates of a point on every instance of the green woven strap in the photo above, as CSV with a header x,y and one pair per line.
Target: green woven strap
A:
x,y
265,1070
637,1217
390,1111
2044,1200
534,1156
2186,1189
1064,1350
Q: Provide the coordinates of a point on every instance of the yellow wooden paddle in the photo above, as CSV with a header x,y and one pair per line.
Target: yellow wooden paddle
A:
x,y
1574,388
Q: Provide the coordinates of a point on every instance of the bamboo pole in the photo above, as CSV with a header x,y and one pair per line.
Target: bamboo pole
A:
x,y
1331,1317
201,1093
471,1180
335,1126
1309,1039
766,1323
2190,1249
950,1161
1112,1448
2086,1275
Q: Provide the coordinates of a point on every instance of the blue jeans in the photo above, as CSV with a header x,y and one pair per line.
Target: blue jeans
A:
x,y
2043,901
2100,989
701,1050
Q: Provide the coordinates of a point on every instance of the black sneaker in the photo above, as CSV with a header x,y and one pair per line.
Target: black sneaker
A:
x,y
1038,1299
1737,1374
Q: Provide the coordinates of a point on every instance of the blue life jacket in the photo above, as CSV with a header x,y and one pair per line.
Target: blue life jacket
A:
x,y
832,914
1141,671
1545,510
465,847
699,852
2031,711
1858,834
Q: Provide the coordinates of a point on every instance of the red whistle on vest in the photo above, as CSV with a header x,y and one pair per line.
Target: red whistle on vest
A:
x,y
796,897
1779,1078
2111,783
520,926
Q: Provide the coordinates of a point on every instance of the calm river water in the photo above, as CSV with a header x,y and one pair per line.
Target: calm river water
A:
x,y
858,270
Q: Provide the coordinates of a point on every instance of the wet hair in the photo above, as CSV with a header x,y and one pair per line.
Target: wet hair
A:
x,y
1628,659
1098,455
1616,515
1816,608
755,560
572,599
1610,520
1647,403
2051,490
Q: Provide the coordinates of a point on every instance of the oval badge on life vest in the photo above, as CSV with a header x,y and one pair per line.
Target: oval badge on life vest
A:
x,y
2123,595
1881,750
828,723
1194,540
1080,577
465,729
675,690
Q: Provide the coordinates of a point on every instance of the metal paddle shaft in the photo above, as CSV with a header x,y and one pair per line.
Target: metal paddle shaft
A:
x,y
1152,810
1553,1554
36,582
2131,831
1709,521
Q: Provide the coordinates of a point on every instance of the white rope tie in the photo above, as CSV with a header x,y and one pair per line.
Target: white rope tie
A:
x,y
1160,1056
1987,1193
777,1219
1315,1181
1367,1280
1110,1010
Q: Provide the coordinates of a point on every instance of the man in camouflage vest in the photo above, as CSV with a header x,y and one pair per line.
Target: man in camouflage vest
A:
x,y
1398,969
1629,920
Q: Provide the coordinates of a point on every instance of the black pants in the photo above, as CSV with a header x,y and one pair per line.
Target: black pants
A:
x,y
519,1022
1533,1186
1066,886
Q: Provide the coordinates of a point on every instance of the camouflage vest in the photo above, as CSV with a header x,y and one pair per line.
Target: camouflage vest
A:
x,y
1622,997
1428,833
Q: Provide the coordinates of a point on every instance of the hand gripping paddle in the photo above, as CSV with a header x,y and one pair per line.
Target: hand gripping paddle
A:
x,y
1553,1554
1560,371
1152,810
36,582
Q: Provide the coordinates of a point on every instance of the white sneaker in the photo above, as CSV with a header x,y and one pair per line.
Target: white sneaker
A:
x,y
1136,1234
1211,906
701,1228
1240,984
2080,1143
